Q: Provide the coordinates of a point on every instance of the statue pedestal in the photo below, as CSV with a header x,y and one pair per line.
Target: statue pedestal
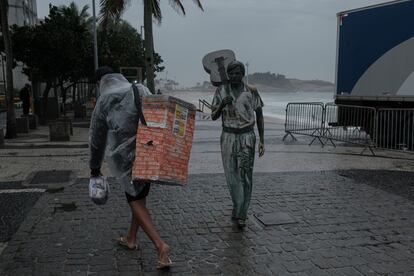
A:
x,y
22,125
59,131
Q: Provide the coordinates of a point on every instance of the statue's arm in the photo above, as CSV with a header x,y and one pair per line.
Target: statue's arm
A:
x,y
216,111
260,128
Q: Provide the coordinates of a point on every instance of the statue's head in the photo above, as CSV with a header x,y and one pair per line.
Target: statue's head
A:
x,y
235,71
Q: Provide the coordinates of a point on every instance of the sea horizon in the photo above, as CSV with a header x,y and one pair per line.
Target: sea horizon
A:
x,y
274,102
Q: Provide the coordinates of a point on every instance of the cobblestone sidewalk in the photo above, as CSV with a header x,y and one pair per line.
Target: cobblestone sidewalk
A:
x,y
347,224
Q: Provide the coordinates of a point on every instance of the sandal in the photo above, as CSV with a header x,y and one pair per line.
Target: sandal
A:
x,y
162,265
165,265
122,241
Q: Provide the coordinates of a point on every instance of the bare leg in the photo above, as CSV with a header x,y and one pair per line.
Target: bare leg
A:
x,y
142,216
133,229
131,237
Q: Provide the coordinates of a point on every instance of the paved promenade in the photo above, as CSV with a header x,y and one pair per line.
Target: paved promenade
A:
x,y
314,211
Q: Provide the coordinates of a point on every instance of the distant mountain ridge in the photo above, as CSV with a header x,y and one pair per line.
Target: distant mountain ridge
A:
x,y
271,82
279,83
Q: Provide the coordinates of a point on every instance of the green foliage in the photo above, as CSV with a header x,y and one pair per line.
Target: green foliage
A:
x,y
59,48
120,45
111,10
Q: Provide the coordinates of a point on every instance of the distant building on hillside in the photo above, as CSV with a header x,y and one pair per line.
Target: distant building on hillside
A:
x,y
21,13
165,84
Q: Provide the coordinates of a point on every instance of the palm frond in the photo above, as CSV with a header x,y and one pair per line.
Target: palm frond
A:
x,y
84,12
198,3
156,10
112,9
72,6
178,6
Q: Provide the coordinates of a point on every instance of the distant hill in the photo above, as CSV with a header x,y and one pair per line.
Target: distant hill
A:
x,y
279,83
271,82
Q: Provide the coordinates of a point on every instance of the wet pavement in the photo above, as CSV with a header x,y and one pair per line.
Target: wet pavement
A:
x,y
15,203
350,214
345,226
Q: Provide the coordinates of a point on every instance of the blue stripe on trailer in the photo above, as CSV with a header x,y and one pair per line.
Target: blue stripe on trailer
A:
x,y
367,34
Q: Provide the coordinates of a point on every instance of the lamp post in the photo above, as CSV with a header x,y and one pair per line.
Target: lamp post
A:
x,y
247,72
95,44
4,73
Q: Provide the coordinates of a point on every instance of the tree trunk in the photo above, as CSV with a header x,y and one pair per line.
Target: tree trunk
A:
x,y
11,131
149,45
44,101
63,93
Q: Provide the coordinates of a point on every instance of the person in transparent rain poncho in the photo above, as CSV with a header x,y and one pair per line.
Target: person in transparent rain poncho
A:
x,y
112,133
237,105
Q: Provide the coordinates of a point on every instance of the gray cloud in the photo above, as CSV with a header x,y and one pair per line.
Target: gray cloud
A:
x,y
294,37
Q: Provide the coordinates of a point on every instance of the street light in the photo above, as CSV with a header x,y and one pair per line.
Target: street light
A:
x,y
247,72
95,44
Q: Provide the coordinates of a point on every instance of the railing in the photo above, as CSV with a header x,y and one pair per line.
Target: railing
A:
x,y
202,114
391,129
84,91
202,104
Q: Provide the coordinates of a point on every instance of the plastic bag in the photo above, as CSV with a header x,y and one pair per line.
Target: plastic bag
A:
x,y
98,190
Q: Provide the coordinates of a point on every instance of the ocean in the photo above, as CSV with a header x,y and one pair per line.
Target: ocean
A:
x,y
274,102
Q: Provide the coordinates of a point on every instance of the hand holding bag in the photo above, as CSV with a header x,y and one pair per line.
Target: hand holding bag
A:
x,y
98,189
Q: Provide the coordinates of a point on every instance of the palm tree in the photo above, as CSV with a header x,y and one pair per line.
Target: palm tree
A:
x,y
112,9
11,131
82,23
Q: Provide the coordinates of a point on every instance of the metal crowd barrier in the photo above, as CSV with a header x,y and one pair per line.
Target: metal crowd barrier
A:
x,y
384,128
395,129
304,119
349,124
330,122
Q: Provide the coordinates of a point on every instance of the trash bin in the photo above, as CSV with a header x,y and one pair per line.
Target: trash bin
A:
x,y
163,146
59,131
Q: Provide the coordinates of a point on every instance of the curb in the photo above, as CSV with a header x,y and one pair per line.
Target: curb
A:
x,y
44,146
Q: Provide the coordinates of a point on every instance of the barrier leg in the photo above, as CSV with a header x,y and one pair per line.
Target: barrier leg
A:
x,y
315,136
370,148
291,135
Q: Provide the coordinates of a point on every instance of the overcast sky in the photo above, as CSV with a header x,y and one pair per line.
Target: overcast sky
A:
x,y
292,37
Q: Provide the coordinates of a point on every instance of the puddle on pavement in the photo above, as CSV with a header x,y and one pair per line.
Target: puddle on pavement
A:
x,y
65,207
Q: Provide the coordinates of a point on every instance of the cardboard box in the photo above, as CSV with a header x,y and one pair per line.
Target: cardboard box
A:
x,y
163,146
